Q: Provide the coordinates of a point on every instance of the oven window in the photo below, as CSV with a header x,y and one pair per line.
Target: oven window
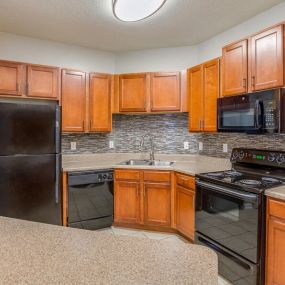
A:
x,y
228,221
241,118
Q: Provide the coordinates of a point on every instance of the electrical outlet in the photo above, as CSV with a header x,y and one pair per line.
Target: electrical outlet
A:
x,y
225,147
111,144
186,145
73,145
201,146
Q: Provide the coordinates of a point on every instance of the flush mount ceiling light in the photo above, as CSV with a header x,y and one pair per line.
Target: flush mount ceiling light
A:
x,y
135,10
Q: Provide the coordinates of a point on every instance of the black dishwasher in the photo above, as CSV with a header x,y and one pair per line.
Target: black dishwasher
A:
x,y
90,199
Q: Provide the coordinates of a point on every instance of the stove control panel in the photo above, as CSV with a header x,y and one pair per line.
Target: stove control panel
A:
x,y
261,157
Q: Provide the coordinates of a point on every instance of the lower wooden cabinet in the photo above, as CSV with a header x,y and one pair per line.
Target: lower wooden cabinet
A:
x,y
275,243
142,197
157,204
127,201
185,204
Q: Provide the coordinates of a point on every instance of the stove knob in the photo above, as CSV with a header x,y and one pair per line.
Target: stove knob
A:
x,y
271,157
280,158
241,155
235,154
104,176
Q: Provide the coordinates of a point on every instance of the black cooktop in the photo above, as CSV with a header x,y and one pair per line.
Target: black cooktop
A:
x,y
242,180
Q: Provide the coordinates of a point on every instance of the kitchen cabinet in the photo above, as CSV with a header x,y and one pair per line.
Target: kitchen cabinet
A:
x,y
185,204
42,81
27,80
204,88
275,245
267,59
235,68
11,78
254,64
73,94
100,103
165,91
133,92
142,197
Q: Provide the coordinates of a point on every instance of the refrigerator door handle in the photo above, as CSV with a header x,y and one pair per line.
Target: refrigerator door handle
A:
x,y
58,129
57,178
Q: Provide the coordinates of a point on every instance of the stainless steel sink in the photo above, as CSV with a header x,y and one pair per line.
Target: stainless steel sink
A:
x,y
146,162
161,163
136,162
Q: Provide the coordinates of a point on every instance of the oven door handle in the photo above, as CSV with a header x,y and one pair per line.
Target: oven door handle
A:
x,y
223,190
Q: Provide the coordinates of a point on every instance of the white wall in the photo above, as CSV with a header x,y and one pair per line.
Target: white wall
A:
x,y
166,59
25,49
183,57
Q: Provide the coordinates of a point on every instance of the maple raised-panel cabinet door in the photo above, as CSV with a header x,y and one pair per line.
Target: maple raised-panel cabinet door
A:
x,y
127,202
195,78
165,91
267,60
185,211
157,204
42,81
12,78
211,89
235,68
100,103
73,100
133,89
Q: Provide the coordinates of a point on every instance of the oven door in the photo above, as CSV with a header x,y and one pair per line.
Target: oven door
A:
x,y
229,217
240,114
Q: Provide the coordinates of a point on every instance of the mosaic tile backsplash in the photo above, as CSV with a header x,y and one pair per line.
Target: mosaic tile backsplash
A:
x,y
169,132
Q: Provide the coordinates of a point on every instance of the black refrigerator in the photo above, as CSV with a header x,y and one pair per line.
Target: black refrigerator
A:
x,y
30,161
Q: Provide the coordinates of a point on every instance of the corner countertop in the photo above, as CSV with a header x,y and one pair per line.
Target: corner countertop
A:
x,y
188,163
35,253
277,192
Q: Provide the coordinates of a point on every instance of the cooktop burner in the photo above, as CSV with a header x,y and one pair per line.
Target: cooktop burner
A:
x,y
243,179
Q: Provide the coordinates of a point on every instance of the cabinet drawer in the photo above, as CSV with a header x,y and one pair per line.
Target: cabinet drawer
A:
x,y
185,181
157,176
276,208
127,175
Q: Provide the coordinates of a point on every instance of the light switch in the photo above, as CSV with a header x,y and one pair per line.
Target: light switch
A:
x,y
111,144
225,147
201,146
186,145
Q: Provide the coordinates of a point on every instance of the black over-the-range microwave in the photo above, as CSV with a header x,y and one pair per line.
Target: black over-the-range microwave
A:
x,y
257,113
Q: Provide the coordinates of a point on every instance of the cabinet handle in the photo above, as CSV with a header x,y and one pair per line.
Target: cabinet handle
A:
x,y
253,81
203,124
91,123
17,87
244,83
200,124
137,188
144,190
27,88
83,124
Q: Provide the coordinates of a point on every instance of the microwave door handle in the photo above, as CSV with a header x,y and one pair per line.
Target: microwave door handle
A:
x,y
258,114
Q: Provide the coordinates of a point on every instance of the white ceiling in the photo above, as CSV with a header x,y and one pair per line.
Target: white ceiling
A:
x,y
90,23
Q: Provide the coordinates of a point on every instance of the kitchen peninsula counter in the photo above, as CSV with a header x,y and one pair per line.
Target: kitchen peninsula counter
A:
x,y
35,253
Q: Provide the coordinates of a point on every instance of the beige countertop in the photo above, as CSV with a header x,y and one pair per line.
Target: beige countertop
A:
x,y
188,164
278,192
35,253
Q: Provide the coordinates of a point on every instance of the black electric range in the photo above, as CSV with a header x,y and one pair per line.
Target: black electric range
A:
x,y
230,212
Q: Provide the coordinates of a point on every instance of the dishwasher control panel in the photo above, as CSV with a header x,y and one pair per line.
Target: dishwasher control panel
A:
x,y
89,177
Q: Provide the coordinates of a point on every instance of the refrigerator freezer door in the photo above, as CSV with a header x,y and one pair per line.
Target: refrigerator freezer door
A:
x,y
29,188
27,128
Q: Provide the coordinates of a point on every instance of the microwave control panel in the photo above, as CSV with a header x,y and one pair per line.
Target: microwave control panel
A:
x,y
270,118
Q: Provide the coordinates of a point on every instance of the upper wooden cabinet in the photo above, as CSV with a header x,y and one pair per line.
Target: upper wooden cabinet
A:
x,y
11,78
73,101
165,92
254,64
133,90
100,102
150,92
267,60
204,88
42,81
275,242
27,80
234,68
196,98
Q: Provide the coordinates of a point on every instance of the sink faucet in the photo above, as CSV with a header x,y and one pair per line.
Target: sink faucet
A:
x,y
151,154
